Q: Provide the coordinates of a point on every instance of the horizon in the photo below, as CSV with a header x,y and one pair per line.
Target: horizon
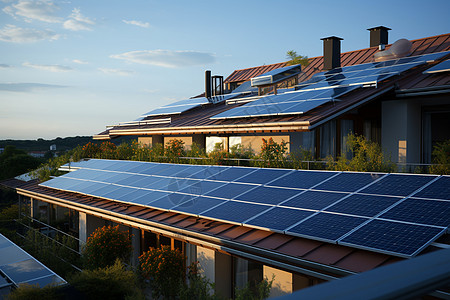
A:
x,y
71,69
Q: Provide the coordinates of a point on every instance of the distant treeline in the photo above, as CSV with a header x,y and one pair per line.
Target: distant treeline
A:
x,y
62,144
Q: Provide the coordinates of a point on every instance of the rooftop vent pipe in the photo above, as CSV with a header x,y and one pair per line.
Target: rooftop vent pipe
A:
x,y
208,89
378,36
331,52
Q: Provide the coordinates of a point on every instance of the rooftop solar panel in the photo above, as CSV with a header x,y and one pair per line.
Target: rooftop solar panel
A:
x,y
263,176
421,211
323,205
349,182
197,205
279,218
315,200
368,74
393,237
363,205
235,211
302,179
398,184
439,189
324,226
267,195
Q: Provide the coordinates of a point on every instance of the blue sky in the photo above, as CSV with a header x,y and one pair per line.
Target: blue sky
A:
x,y
70,68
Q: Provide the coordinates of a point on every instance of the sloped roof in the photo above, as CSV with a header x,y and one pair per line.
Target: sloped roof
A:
x,y
421,46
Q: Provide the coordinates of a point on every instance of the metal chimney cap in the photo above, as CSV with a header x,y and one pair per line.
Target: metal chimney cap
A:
x,y
379,27
332,38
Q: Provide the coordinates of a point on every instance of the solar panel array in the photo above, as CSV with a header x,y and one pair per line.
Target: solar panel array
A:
x,y
20,267
336,207
184,105
326,87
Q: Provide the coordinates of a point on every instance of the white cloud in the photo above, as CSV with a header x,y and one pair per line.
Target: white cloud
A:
x,y
116,71
167,58
51,68
26,87
80,62
137,23
14,34
78,22
34,10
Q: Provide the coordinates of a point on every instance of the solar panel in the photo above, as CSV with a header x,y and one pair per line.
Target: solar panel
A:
x,y
363,205
20,267
230,190
322,205
302,179
279,218
314,200
346,79
168,200
393,237
439,68
201,187
325,226
177,107
197,205
439,189
267,195
276,75
235,211
421,211
349,182
263,176
398,184
231,174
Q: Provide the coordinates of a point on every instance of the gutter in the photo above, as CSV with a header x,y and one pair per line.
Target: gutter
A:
x,y
279,260
432,90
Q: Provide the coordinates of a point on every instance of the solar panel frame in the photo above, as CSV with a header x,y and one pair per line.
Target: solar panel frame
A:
x,y
443,66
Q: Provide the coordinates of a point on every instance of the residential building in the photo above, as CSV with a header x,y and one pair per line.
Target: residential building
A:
x,y
303,227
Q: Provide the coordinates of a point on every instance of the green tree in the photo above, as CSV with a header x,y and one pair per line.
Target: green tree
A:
x,y
295,59
15,162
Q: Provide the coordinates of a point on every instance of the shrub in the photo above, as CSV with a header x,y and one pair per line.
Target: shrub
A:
x,y
441,158
367,157
165,270
219,155
258,292
198,287
273,154
113,282
174,150
104,246
34,292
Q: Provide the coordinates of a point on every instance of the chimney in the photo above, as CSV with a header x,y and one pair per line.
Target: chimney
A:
x,y
208,84
331,52
378,36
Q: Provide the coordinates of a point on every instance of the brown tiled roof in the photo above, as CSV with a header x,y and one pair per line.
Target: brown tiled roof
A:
x,y
343,260
12,183
427,45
